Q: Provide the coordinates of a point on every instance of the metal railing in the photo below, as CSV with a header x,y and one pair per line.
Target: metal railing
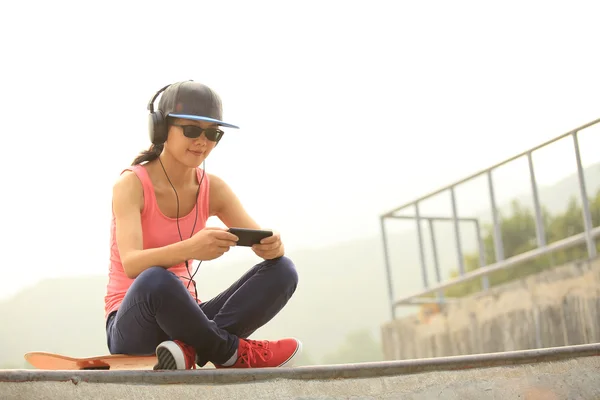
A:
x,y
587,237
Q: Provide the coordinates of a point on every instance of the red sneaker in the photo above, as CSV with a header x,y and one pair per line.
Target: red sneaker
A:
x,y
173,354
266,354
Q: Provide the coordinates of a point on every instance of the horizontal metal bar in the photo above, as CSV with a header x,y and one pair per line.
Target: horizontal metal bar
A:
x,y
430,218
510,262
475,175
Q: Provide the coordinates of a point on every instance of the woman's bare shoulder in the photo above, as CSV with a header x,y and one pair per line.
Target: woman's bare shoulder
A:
x,y
214,180
128,188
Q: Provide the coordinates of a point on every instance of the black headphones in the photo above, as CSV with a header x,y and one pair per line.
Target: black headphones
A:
x,y
157,122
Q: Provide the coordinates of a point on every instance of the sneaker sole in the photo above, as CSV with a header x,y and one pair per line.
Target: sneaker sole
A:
x,y
290,361
166,359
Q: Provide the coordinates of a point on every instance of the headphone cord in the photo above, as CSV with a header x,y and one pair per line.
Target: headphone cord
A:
x,y
187,267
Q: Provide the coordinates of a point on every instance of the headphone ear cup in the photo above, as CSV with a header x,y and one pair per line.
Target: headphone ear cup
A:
x,y
157,128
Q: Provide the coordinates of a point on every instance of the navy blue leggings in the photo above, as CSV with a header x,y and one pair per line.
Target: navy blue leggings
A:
x,y
158,307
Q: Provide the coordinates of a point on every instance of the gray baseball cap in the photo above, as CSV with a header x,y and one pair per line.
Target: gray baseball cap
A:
x,y
192,100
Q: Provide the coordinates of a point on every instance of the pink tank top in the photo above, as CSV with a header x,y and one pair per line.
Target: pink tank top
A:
x,y
158,230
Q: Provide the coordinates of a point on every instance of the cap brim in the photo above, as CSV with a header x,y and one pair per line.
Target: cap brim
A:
x,y
198,118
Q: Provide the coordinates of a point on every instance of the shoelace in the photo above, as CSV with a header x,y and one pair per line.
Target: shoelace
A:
x,y
254,349
189,353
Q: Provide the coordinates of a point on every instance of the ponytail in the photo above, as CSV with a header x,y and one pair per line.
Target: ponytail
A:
x,y
148,155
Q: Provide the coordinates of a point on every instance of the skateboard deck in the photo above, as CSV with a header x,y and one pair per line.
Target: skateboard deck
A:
x,y
54,361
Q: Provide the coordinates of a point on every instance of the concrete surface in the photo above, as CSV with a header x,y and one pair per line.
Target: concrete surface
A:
x,y
570,372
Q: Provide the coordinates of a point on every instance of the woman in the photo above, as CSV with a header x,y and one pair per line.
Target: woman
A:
x,y
160,207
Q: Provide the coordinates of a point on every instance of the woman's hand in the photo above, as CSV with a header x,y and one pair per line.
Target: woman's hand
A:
x,y
210,243
270,247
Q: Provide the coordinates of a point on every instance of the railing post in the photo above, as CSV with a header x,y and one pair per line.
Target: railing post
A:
x,y
587,216
498,245
459,253
388,270
436,262
485,282
540,231
421,249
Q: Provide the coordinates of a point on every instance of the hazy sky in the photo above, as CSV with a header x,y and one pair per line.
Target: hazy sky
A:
x,y
346,108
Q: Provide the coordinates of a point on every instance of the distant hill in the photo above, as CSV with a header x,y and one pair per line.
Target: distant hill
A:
x,y
342,289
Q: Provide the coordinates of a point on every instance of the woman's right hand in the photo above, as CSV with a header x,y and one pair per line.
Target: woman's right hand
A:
x,y
210,243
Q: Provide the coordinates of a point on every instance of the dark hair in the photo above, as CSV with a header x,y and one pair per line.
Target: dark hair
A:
x,y
154,151
148,155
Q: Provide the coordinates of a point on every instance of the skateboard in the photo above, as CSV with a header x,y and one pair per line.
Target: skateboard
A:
x,y
54,361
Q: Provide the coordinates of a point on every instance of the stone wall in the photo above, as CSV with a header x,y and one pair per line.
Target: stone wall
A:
x,y
553,308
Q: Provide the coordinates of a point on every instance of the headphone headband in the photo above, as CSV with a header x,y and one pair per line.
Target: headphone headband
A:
x,y
151,102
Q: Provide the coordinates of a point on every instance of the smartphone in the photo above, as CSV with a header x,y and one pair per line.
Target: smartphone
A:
x,y
249,237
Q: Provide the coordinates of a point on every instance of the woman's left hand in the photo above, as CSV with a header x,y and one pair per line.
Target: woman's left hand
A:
x,y
270,247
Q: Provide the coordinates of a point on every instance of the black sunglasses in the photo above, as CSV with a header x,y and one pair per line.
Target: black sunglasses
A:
x,y
194,132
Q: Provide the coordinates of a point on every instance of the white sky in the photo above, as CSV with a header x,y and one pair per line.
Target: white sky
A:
x,y
347,108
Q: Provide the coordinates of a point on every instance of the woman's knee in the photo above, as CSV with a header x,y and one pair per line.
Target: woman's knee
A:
x,y
286,271
155,279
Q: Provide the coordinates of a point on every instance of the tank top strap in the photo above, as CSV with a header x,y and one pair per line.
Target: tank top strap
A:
x,y
204,195
149,196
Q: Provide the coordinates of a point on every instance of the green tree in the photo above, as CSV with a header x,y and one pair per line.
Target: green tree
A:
x,y
519,236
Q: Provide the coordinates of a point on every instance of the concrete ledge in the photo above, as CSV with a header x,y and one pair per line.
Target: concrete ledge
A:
x,y
321,373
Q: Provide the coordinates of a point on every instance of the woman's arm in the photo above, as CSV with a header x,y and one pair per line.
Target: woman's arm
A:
x,y
227,207
128,201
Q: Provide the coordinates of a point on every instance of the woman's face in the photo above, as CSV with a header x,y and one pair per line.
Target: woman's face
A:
x,y
191,151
